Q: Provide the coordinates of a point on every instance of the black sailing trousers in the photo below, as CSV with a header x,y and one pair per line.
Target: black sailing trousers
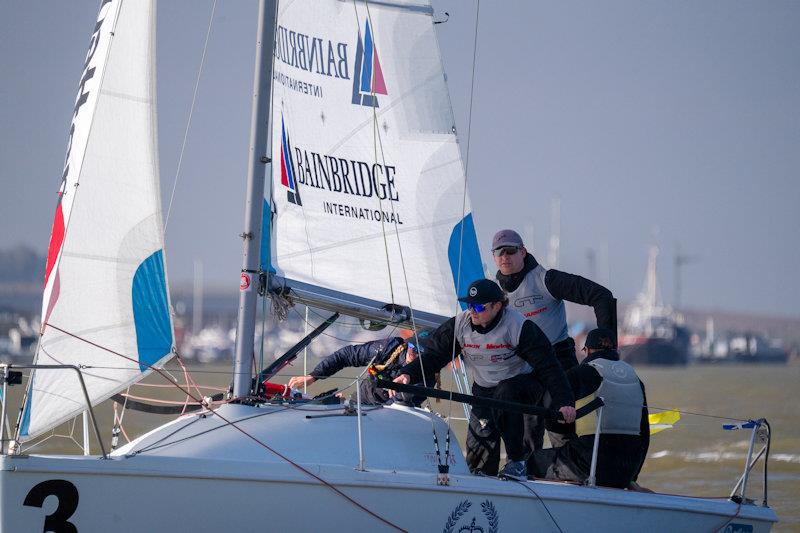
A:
x,y
534,425
487,426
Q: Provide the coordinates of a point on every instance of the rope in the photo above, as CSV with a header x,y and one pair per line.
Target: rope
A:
x,y
116,427
281,303
524,484
191,113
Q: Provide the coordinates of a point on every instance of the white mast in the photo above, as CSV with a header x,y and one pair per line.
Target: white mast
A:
x,y
555,233
256,175
528,236
650,293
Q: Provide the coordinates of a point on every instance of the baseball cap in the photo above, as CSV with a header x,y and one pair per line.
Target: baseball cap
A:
x,y
483,291
600,339
506,237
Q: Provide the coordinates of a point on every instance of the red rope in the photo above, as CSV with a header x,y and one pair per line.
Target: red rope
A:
x,y
232,424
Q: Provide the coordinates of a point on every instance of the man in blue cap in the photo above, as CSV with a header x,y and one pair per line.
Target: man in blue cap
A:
x,y
510,359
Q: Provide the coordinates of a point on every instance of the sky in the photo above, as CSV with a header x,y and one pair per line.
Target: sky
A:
x,y
670,123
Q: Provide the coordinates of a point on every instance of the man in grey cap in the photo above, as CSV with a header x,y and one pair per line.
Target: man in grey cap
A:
x,y
539,294
510,359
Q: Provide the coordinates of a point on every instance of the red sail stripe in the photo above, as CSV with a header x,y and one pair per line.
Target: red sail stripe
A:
x,y
56,240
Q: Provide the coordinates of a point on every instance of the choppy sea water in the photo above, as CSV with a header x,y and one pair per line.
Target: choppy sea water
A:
x,y
696,457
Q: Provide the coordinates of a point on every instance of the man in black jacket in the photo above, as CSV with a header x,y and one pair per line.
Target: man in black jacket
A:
x,y
539,294
510,359
625,429
388,355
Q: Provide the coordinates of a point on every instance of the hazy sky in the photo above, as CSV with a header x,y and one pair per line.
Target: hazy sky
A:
x,y
674,119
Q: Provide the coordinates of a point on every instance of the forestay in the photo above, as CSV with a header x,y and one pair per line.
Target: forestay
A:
x,y
368,182
105,301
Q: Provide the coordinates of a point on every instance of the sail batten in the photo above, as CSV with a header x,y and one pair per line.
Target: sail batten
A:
x,y
369,192
106,303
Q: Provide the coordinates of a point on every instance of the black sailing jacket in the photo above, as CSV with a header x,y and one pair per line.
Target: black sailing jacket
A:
x,y
569,287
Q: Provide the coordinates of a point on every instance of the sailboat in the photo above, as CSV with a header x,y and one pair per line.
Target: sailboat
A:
x,y
367,215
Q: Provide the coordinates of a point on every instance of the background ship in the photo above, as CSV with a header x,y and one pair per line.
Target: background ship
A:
x,y
652,333
739,347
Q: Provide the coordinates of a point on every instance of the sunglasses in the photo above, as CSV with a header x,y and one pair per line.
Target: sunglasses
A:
x,y
505,250
411,346
478,308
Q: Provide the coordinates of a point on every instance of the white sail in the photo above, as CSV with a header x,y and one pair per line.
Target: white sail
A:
x,y
105,302
368,182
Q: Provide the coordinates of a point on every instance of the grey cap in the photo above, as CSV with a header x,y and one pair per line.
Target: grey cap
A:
x,y
506,237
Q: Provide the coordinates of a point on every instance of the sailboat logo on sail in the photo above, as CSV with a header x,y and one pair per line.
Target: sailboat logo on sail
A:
x,y
368,76
287,168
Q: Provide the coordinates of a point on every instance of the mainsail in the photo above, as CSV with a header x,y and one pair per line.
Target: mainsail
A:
x,y
368,183
105,305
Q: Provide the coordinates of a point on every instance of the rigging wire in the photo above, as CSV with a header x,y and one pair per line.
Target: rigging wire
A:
x,y
191,113
376,134
464,205
472,88
378,143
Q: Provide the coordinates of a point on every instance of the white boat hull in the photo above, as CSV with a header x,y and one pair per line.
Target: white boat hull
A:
x,y
251,489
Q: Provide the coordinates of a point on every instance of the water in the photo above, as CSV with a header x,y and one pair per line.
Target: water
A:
x,y
696,457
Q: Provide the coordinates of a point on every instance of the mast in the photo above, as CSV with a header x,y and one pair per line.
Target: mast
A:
x,y
555,233
256,175
651,281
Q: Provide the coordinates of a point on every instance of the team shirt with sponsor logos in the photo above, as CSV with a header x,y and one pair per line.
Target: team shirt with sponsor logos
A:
x,y
535,302
492,355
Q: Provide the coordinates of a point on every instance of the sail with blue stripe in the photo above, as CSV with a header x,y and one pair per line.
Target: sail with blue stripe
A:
x,y
106,303
371,148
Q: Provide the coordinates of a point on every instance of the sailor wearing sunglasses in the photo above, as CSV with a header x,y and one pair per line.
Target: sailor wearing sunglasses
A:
x,y
539,294
510,359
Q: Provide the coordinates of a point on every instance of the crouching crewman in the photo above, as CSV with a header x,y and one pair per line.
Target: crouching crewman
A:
x,y
624,426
